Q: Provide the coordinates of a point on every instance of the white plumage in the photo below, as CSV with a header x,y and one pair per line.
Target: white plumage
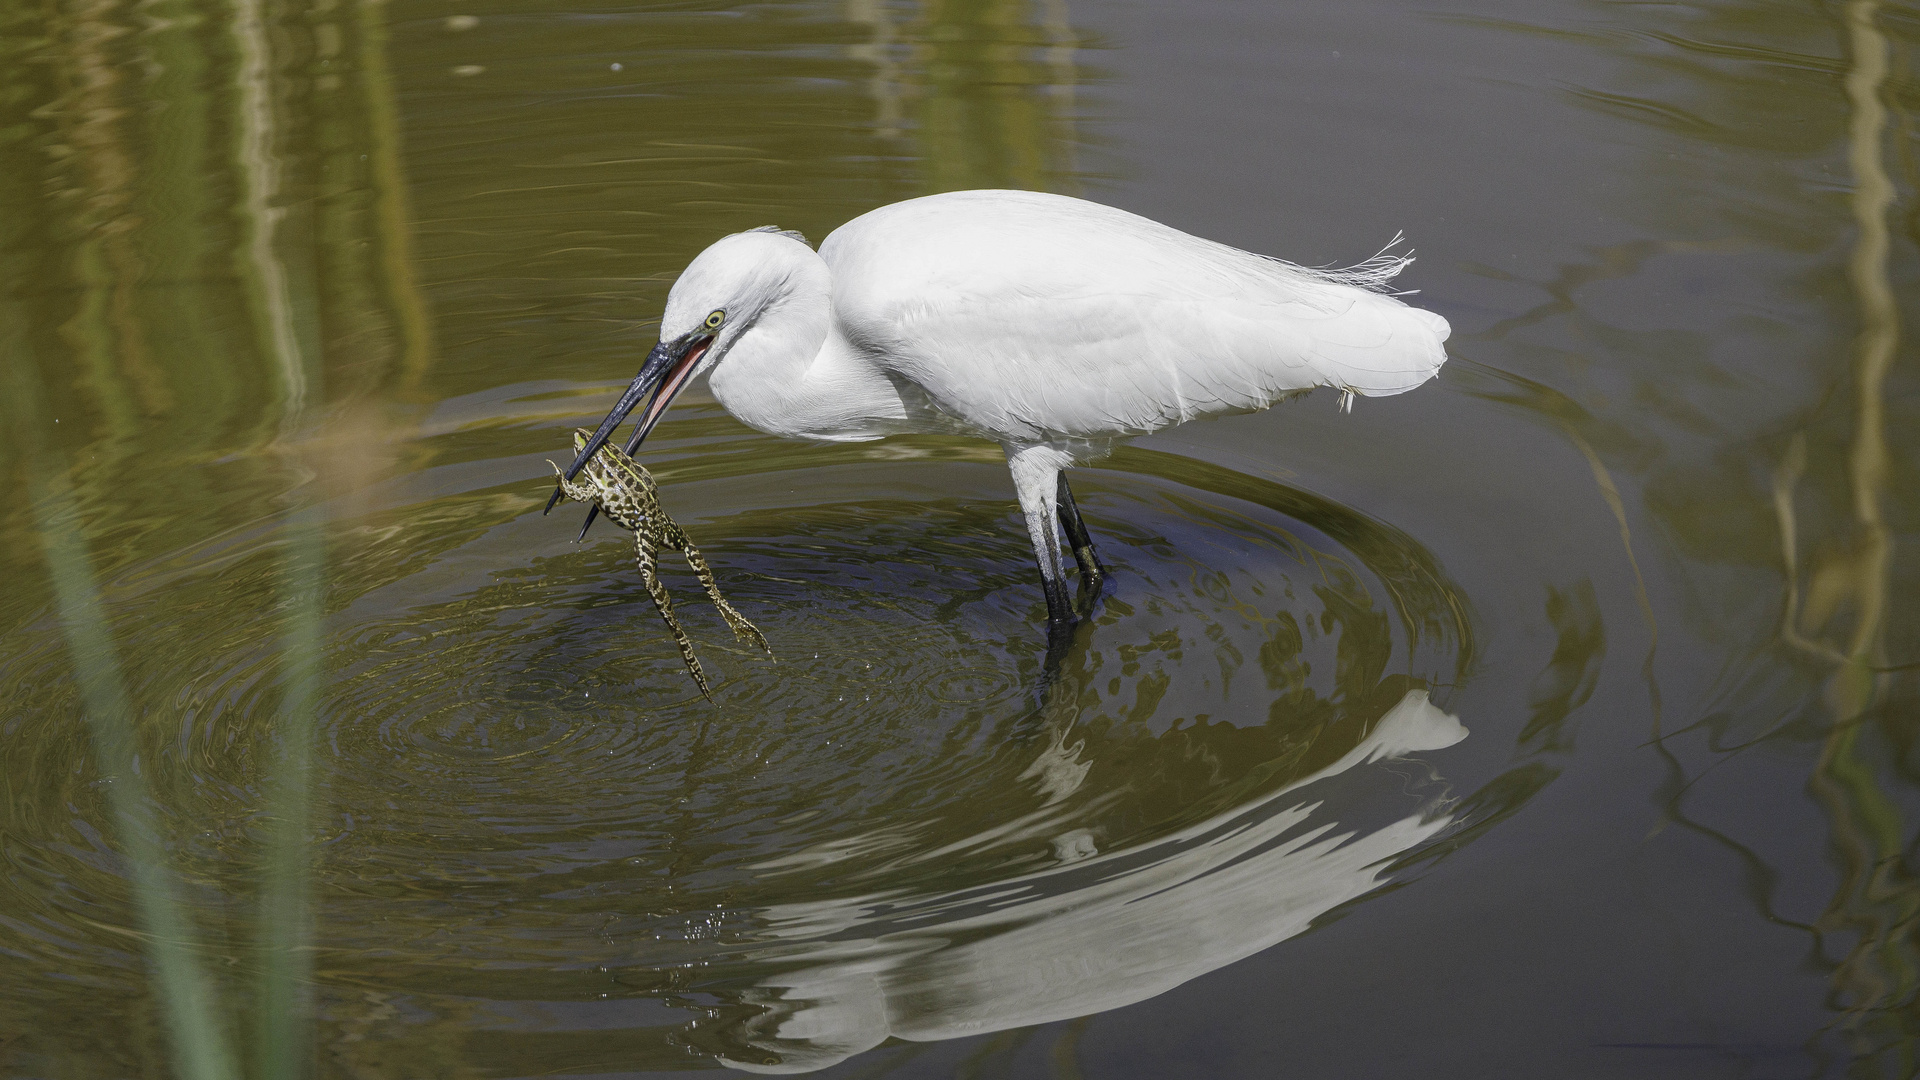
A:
x,y
1049,324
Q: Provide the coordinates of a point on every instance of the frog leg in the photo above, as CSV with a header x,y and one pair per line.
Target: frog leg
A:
x,y
643,545
575,490
742,629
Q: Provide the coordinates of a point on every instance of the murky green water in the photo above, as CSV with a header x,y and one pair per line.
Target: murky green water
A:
x,y
1556,719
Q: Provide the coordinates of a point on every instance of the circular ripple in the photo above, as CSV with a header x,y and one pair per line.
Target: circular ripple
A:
x,y
516,773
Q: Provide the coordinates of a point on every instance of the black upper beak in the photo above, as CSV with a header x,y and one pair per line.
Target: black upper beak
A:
x,y
652,373
662,373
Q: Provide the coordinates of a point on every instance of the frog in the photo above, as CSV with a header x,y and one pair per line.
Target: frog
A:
x,y
628,495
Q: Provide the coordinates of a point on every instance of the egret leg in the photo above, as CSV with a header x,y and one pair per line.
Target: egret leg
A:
x,y
650,577
1081,541
1036,480
742,629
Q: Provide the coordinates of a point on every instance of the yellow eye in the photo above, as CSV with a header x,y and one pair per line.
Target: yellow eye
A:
x,y
714,320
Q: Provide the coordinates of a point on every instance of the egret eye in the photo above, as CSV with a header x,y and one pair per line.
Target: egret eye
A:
x,y
714,320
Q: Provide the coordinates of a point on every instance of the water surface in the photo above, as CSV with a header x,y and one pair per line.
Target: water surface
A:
x,y
1556,717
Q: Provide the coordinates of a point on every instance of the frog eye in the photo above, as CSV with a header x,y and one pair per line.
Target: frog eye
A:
x,y
714,320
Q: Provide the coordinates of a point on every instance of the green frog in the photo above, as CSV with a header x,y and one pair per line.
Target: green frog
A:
x,y
626,493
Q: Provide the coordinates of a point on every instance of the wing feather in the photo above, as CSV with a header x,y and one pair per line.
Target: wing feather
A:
x,y
1032,317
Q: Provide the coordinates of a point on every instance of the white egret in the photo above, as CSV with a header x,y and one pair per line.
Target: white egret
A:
x,y
1051,325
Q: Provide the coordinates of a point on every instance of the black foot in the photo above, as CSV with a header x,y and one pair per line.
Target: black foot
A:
x,y
1080,541
1087,597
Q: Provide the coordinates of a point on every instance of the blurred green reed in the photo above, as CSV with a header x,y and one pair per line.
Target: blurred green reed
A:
x,y
284,917
189,999
191,1003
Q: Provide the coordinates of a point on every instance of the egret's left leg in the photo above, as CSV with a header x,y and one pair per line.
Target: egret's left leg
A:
x,y
1081,541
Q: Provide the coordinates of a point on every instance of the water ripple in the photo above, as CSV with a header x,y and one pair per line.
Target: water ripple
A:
x,y
518,778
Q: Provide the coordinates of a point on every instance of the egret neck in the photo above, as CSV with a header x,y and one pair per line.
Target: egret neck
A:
x,y
791,371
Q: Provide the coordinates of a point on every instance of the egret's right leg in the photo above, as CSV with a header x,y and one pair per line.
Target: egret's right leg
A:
x,y
1036,480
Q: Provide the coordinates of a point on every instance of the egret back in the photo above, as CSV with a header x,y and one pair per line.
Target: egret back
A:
x,y
1035,317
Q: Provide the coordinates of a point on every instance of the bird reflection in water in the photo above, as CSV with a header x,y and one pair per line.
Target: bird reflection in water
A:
x,y
1092,933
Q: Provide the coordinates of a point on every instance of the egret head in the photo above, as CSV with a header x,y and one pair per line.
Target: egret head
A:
x,y
717,298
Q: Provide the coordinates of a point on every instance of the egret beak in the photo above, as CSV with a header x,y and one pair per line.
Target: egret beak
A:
x,y
663,375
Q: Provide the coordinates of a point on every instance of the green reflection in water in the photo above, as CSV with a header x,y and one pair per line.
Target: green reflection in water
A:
x,y
1879,899
992,94
1807,484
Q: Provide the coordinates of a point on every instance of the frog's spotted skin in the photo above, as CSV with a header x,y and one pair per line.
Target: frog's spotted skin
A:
x,y
627,495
